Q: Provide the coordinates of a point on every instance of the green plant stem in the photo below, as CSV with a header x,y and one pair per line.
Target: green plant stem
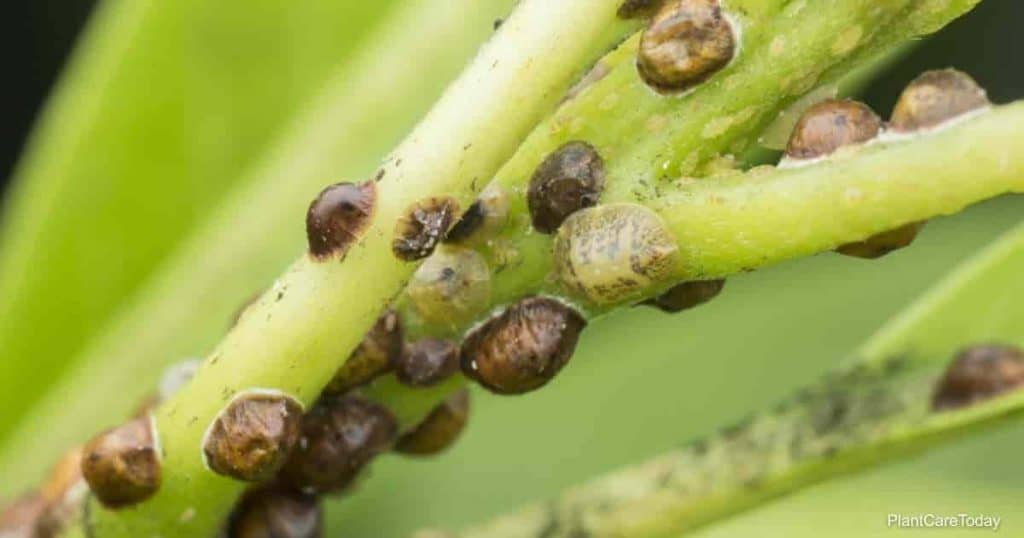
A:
x,y
748,220
649,141
873,410
291,338
368,104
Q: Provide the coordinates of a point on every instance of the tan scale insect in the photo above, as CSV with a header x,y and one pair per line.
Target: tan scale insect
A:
x,y
451,288
613,253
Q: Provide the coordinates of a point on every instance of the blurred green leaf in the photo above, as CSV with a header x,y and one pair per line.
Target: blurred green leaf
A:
x,y
163,106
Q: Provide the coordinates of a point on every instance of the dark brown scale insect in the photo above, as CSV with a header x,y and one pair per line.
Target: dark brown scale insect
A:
x,y
439,430
686,42
121,465
631,9
252,437
380,348
427,362
568,180
522,348
687,295
338,216
20,518
422,227
276,513
340,435
936,97
979,373
830,125
883,243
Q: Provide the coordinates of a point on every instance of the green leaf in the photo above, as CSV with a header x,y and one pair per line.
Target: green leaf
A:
x,y
162,108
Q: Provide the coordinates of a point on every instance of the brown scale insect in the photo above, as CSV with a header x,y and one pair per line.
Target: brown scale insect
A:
x,y
274,512
568,180
631,9
340,435
251,438
686,42
121,465
979,373
423,226
379,349
337,217
687,295
439,430
613,253
524,347
934,98
427,362
830,125
880,244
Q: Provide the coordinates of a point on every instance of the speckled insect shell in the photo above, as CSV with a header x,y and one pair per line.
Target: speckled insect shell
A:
x,y
568,180
423,225
340,435
685,43
613,253
830,125
337,218
121,465
275,512
252,436
522,348
936,97
979,373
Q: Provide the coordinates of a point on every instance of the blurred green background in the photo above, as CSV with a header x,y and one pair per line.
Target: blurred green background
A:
x,y
641,382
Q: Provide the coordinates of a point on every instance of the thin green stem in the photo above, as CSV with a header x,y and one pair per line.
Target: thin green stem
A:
x,y
875,409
